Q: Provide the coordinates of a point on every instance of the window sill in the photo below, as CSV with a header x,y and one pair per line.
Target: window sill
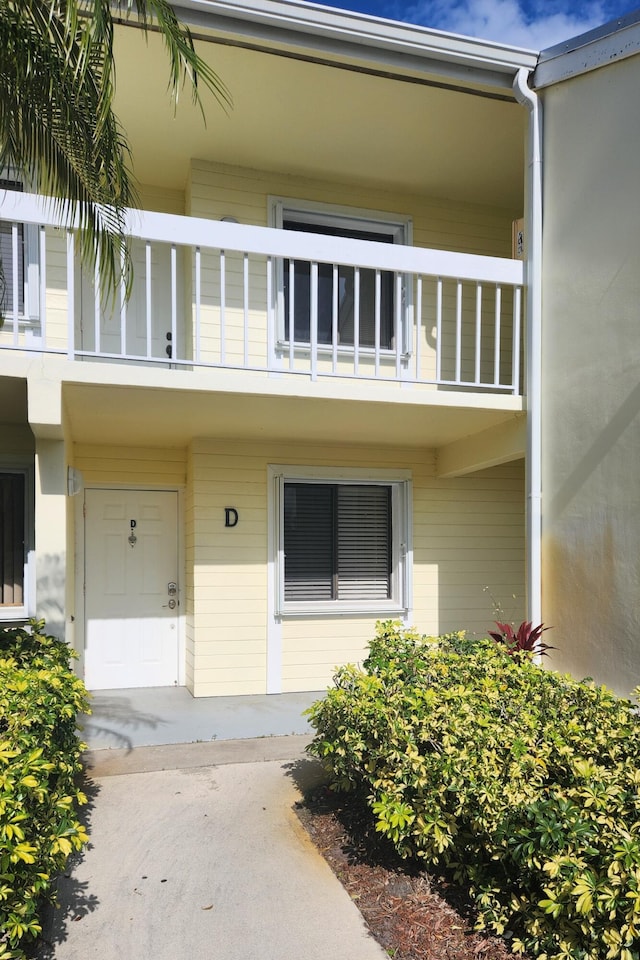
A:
x,y
336,608
302,348
25,324
10,615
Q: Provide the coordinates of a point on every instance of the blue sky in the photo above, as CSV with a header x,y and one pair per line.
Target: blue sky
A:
x,y
535,24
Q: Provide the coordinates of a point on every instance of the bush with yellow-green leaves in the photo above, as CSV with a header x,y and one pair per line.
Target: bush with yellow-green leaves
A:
x,y
523,783
40,698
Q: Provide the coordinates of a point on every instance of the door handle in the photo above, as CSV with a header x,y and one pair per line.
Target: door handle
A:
x,y
172,604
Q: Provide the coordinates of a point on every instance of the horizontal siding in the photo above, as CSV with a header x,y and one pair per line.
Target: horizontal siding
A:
x,y
218,190
228,681
56,295
468,542
161,199
137,465
468,556
228,646
229,572
469,535
313,650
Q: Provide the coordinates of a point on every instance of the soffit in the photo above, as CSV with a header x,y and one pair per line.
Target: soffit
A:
x,y
313,120
13,400
111,414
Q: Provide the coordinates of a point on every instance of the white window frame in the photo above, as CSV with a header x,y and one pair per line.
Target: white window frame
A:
x,y
281,209
29,316
11,613
399,481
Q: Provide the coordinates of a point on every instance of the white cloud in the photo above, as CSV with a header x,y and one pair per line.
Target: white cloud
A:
x,y
505,21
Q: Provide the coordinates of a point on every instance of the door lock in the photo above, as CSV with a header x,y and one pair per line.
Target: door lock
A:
x,y
172,590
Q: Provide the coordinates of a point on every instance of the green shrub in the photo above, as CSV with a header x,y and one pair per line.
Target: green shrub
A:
x,y
524,783
40,698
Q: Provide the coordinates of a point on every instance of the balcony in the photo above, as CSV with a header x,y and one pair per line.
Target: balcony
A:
x,y
210,294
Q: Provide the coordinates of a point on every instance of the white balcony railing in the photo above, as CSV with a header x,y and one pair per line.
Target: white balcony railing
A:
x,y
216,294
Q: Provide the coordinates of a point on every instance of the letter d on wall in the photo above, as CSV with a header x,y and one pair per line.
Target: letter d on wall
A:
x,y
230,516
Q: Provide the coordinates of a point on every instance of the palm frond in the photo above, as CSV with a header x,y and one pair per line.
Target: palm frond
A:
x,y
58,129
185,66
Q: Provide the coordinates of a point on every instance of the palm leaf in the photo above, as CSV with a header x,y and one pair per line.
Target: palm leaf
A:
x,y
57,125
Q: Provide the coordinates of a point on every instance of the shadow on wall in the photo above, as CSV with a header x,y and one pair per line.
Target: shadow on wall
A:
x,y
601,448
50,593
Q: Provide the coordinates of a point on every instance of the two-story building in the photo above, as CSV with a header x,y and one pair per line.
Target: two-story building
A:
x,y
321,405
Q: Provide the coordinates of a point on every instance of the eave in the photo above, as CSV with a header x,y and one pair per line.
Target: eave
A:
x,y
313,30
614,41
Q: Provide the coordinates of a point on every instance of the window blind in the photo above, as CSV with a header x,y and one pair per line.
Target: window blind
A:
x,y
337,542
12,491
308,541
346,318
9,268
364,543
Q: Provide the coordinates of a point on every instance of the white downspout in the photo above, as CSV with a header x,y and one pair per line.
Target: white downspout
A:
x,y
533,275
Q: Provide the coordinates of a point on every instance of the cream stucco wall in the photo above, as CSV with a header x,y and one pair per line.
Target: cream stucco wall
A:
x,y
591,391
51,532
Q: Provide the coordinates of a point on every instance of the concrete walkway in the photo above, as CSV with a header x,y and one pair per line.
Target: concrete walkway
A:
x,y
196,851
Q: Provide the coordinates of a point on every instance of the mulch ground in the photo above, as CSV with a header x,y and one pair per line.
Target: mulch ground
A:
x,y
412,915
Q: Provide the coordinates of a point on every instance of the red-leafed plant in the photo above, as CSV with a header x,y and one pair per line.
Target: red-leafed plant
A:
x,y
527,638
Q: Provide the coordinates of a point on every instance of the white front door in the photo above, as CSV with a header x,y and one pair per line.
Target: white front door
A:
x,y
131,588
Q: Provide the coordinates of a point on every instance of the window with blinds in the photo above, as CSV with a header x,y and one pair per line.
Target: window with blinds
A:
x,y
338,542
369,301
11,267
12,539
352,307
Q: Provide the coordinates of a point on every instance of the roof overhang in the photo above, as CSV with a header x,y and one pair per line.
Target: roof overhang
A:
x,y
610,43
294,27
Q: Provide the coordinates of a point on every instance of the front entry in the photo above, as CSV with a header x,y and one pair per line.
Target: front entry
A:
x,y
131,588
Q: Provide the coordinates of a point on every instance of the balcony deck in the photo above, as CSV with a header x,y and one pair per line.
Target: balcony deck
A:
x,y
210,295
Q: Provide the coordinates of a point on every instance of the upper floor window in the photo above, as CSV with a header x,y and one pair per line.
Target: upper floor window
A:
x,y
19,260
353,306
